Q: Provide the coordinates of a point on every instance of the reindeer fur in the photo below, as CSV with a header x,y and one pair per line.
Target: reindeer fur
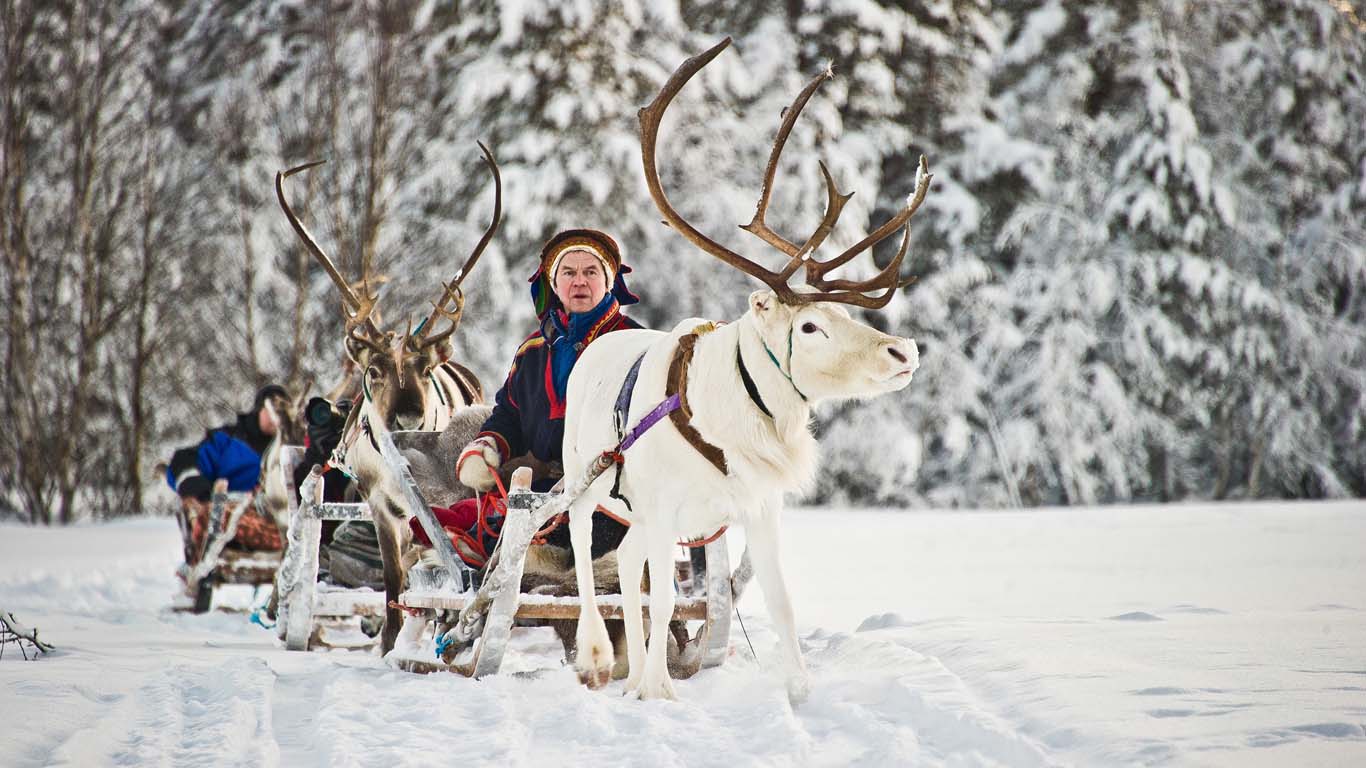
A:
x,y
676,493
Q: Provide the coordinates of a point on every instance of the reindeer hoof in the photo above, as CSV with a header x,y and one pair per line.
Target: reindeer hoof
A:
x,y
656,689
595,659
595,679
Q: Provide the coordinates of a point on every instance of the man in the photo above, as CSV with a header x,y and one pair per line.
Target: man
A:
x,y
578,290
232,452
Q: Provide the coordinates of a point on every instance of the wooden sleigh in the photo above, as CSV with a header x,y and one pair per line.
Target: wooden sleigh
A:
x,y
209,562
479,608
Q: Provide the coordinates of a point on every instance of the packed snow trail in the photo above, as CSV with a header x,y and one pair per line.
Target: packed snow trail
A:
x,y
1221,635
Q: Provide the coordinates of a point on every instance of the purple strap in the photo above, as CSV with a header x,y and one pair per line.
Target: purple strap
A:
x,y
652,418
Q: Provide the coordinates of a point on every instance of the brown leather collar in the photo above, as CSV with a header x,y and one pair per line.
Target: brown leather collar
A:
x,y
682,416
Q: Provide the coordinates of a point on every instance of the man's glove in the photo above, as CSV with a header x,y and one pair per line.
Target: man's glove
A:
x,y
477,463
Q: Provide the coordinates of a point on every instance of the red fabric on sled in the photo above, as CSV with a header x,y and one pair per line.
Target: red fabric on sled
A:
x,y
460,516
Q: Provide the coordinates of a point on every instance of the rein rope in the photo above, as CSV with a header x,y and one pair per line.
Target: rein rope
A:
x,y
779,365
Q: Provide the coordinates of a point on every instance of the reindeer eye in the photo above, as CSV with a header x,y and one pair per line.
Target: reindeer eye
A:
x,y
372,372
809,328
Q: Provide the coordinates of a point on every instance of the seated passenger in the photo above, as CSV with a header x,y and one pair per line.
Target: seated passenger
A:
x,y
232,452
578,291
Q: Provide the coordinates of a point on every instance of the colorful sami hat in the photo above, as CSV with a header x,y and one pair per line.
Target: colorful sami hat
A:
x,y
600,244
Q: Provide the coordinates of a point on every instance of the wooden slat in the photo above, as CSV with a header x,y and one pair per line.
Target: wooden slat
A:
x,y
549,607
348,603
235,567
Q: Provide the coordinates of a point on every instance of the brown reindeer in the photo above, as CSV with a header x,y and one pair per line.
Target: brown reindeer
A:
x,y
408,382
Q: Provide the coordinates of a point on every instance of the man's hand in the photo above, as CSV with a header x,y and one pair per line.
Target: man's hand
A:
x,y
477,463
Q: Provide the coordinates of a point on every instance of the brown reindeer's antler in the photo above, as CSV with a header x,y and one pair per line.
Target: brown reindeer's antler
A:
x,y
844,291
360,326
451,291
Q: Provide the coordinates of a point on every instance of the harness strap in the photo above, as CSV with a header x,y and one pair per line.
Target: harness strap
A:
x,y
668,407
682,415
623,406
466,382
779,366
620,412
749,383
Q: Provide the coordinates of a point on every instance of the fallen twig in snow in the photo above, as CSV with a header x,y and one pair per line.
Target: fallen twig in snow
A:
x,y
11,631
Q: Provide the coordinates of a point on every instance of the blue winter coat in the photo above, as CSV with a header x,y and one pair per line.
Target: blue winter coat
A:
x,y
232,452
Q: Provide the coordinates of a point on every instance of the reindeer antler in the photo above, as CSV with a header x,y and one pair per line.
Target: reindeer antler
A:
x,y
357,308
451,290
844,291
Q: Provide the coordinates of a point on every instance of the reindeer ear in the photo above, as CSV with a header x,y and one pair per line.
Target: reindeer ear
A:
x,y
438,354
762,301
358,353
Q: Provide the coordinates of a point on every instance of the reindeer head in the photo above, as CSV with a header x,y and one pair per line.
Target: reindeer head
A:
x,y
810,336
395,368
828,354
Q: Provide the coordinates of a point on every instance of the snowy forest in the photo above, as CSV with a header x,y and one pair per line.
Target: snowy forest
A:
x,y
1142,262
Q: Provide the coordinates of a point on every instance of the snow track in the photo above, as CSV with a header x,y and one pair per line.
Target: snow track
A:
x,y
1157,636
183,715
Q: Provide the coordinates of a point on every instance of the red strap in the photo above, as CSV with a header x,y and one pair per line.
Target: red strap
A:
x,y
468,453
704,542
411,611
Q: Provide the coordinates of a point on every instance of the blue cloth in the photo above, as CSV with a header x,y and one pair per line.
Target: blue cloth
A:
x,y
570,340
223,456
232,451
528,411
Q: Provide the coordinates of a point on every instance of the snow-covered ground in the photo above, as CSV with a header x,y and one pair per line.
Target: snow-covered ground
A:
x,y
1230,634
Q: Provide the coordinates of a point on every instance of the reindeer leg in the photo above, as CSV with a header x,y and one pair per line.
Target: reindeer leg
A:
x,y
763,543
593,647
390,543
630,567
655,682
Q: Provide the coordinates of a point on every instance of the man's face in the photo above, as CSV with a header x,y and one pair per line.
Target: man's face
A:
x,y
579,281
266,420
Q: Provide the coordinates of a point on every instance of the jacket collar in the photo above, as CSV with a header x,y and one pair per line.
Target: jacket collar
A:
x,y
581,328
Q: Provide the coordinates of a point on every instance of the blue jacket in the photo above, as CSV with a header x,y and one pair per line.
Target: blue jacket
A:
x,y
232,452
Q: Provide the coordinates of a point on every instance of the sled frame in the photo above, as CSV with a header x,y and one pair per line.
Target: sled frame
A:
x,y
487,615
215,564
300,602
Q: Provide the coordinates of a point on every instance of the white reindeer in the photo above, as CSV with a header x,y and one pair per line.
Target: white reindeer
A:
x,y
748,390
408,382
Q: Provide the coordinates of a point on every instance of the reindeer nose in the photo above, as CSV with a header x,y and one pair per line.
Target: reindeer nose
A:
x,y
903,351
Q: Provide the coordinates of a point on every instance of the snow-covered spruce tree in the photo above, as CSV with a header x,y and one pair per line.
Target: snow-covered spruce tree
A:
x,y
555,90
909,81
1287,95
1051,421
1084,381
